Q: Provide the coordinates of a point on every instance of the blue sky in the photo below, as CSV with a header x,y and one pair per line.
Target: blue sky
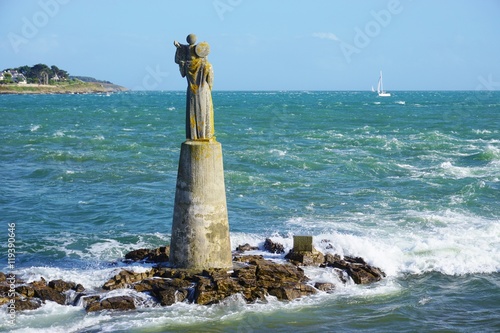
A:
x,y
262,44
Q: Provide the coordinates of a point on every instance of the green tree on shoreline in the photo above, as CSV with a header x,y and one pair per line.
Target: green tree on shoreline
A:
x,y
39,73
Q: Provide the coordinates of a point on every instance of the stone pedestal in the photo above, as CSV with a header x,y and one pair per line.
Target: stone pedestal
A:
x,y
304,253
200,228
303,244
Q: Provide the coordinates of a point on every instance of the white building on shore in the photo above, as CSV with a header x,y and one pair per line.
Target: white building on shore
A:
x,y
15,75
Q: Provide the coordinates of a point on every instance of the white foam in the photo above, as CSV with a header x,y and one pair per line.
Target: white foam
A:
x,y
450,242
278,152
458,172
457,244
35,128
52,318
110,249
478,131
59,134
239,238
90,278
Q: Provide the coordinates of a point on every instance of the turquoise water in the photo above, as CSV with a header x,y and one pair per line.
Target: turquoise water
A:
x,y
409,182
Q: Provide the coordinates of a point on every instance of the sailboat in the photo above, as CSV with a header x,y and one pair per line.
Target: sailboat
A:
x,y
380,87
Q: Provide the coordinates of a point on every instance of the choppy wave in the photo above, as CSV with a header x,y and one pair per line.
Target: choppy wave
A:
x,y
411,185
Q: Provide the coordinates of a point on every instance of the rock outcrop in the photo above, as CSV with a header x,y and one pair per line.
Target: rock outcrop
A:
x,y
110,303
355,267
30,296
147,255
273,247
253,277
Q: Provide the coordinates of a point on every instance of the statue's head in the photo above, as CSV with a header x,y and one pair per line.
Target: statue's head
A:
x,y
191,39
202,49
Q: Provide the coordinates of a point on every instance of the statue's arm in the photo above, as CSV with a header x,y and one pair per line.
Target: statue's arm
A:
x,y
210,76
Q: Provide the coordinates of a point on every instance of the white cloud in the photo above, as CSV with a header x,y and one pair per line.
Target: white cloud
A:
x,y
326,35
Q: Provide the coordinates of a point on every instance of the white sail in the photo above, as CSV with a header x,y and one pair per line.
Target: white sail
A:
x,y
380,87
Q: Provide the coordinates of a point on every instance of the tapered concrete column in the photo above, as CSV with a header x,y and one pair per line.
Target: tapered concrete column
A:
x,y
200,228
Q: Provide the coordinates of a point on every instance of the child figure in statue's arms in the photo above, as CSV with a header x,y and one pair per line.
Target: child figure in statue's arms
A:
x,y
185,53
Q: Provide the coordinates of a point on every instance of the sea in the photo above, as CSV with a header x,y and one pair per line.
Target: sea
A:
x,y
409,182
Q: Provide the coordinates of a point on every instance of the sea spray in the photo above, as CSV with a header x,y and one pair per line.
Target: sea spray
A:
x,y
406,187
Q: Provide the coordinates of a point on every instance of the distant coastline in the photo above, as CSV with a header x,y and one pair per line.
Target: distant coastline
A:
x,y
42,79
61,88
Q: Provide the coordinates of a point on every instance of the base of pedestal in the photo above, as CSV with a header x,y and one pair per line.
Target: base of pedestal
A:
x,y
200,228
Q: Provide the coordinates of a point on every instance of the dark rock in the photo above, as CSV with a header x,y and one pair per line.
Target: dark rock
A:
x,y
246,247
306,258
181,295
174,273
331,258
215,285
30,296
167,296
273,247
125,278
120,303
246,276
4,288
261,277
324,286
61,286
166,291
28,304
356,268
157,255
39,284
26,290
247,259
87,300
355,260
49,294
273,275
291,291
137,255
252,276
364,274
79,288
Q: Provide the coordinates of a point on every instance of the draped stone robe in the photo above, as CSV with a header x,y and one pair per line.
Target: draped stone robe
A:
x,y
199,106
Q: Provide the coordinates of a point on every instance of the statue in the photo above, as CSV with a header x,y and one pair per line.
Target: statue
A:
x,y
193,64
200,227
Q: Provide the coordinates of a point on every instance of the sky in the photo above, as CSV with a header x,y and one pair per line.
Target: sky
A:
x,y
262,44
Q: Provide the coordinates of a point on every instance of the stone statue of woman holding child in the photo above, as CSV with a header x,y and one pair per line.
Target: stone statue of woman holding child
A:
x,y
193,64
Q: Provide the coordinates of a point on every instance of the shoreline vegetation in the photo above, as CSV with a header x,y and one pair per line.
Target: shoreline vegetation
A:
x,y
42,79
71,87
